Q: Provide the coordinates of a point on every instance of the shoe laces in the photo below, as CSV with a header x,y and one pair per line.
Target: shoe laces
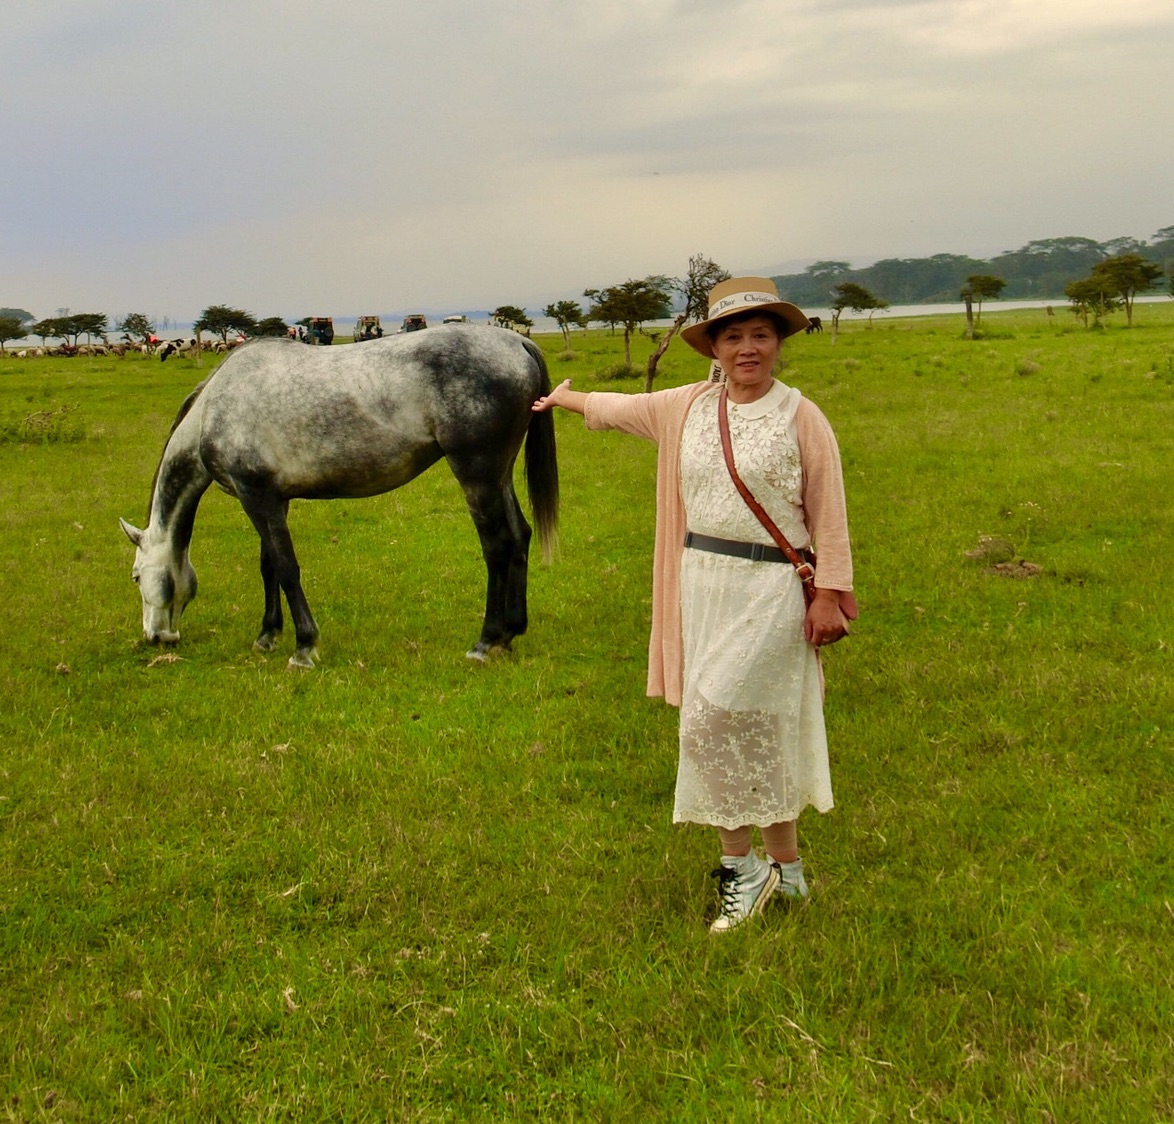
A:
x,y
727,889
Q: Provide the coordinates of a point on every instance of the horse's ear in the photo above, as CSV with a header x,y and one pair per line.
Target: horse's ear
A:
x,y
132,533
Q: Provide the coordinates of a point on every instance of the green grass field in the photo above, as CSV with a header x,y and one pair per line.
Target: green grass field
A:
x,y
408,886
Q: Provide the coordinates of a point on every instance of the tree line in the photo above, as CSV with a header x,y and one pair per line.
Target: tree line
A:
x,y
1040,270
1096,277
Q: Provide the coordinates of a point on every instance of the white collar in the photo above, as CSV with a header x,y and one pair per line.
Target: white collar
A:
x,y
778,394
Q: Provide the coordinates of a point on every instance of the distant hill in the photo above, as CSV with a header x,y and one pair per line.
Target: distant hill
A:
x,y
1038,271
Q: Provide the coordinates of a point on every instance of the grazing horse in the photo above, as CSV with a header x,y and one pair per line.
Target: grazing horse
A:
x,y
814,324
279,421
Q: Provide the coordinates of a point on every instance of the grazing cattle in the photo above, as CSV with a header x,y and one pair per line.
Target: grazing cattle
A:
x,y
814,324
175,347
279,421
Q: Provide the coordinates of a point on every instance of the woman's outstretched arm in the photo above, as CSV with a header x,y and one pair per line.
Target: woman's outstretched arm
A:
x,y
562,395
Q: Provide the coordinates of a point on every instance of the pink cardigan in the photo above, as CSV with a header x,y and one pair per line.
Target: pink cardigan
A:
x,y
660,417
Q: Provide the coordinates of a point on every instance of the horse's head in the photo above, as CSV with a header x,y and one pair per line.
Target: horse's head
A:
x,y
166,581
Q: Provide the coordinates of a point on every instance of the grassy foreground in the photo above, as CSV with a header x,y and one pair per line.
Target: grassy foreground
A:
x,y
408,886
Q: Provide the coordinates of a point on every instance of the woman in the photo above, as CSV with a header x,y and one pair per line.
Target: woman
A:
x,y
733,644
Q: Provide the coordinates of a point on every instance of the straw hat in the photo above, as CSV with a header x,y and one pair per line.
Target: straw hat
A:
x,y
743,294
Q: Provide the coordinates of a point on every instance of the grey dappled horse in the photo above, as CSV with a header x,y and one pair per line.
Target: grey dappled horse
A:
x,y
280,421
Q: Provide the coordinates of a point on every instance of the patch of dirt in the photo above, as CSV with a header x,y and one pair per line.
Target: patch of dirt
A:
x,y
1019,569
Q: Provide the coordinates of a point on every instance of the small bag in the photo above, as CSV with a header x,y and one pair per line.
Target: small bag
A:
x,y
803,561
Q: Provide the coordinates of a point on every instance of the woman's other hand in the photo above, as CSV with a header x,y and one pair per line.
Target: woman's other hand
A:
x,y
824,623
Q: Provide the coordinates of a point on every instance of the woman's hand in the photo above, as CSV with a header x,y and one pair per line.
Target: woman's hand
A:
x,y
564,396
824,623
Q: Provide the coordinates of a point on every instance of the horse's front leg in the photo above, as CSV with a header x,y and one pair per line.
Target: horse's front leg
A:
x,y
268,514
271,622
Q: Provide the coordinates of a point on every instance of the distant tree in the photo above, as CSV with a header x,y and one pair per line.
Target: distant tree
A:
x,y
136,324
693,288
879,304
21,314
68,326
566,314
221,319
979,287
826,274
631,303
1090,296
1125,276
982,287
847,294
1123,245
511,316
90,323
11,328
271,326
45,329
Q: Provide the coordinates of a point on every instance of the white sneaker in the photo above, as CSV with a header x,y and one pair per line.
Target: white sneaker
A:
x,y
745,884
791,884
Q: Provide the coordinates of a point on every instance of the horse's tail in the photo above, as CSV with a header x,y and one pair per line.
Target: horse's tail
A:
x,y
542,463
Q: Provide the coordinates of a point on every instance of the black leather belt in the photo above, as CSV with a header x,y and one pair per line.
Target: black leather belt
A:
x,y
755,551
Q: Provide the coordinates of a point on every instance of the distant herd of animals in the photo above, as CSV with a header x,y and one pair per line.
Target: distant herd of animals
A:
x,y
162,348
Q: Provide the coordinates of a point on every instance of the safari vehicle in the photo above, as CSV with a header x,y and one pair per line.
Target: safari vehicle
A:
x,y
414,322
367,328
456,319
320,330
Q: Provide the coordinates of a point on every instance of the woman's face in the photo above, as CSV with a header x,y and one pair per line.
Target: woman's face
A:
x,y
747,351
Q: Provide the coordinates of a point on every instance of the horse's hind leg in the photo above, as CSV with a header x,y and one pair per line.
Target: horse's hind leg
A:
x,y
517,574
271,623
505,538
267,512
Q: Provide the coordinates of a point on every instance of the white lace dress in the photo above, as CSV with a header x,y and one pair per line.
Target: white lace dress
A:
x,y
753,746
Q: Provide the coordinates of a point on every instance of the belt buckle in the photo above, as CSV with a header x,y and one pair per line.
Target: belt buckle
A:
x,y
757,551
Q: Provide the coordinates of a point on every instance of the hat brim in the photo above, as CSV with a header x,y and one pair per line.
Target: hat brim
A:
x,y
794,319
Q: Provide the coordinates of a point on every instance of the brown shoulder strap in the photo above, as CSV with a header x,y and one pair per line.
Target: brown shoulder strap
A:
x,y
802,566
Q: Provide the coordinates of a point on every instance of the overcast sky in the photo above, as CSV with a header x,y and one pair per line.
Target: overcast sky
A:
x,y
295,158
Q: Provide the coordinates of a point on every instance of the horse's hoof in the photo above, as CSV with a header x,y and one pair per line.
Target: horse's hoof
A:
x,y
303,660
481,655
266,642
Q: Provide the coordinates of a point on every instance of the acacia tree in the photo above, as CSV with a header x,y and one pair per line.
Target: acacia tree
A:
x,y
221,319
1125,276
11,328
693,288
70,325
847,294
271,326
91,323
566,314
45,329
1090,295
979,287
510,316
631,303
136,324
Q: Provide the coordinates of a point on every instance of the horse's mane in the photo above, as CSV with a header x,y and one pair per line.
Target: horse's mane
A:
x,y
184,410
